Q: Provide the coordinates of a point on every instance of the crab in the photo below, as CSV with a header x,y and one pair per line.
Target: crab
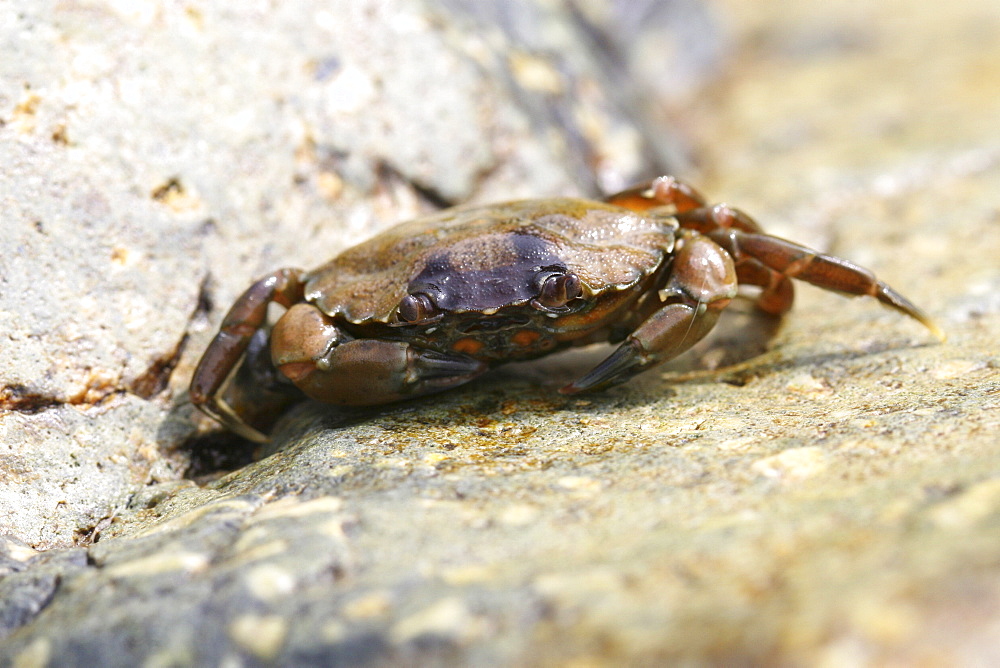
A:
x,y
435,302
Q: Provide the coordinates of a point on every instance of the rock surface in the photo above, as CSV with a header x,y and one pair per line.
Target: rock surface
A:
x,y
835,501
147,178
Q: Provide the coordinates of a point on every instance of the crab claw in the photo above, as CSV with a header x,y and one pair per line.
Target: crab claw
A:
x,y
331,367
666,334
626,361
701,285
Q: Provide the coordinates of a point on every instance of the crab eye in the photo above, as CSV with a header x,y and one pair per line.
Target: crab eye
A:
x,y
557,290
416,308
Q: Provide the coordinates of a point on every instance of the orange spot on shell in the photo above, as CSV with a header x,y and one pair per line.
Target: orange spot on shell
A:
x,y
467,345
525,338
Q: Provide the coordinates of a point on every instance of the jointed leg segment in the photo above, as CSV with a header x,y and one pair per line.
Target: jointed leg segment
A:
x,y
718,246
245,317
662,192
702,283
768,261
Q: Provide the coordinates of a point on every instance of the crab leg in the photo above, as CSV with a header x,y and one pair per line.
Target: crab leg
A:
x,y
701,284
826,271
768,261
693,213
778,292
791,260
331,366
246,316
665,191
706,219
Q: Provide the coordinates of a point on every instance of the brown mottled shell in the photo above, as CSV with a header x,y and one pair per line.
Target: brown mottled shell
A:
x,y
501,245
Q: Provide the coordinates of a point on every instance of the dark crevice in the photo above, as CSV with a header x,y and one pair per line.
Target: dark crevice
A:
x,y
205,303
172,187
20,399
432,196
216,452
88,535
155,379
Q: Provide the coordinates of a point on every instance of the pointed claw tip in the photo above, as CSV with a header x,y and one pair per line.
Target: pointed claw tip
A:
x,y
429,364
895,300
927,322
935,330
255,436
224,414
626,361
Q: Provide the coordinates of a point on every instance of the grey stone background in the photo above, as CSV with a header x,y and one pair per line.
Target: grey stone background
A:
x,y
835,501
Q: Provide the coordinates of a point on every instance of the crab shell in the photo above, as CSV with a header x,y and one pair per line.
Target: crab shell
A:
x,y
483,259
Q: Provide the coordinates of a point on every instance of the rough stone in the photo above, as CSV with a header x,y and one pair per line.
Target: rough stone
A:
x,y
147,179
833,501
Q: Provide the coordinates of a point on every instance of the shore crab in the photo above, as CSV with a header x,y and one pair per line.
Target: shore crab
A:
x,y
435,302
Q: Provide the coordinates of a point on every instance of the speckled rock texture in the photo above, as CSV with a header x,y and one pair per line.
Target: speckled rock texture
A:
x,y
833,501
147,178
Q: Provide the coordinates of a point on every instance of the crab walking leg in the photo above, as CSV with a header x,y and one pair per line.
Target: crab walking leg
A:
x,y
665,191
702,282
793,260
331,366
720,221
223,354
778,292
708,219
